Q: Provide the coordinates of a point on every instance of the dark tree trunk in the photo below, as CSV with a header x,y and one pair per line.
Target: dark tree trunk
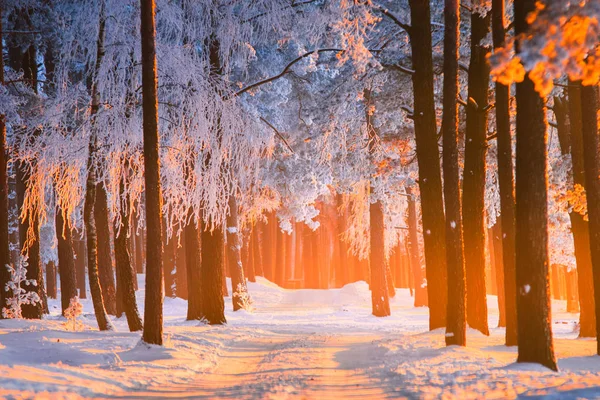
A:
x,y
533,297
213,305
153,308
579,226
506,182
51,280
66,261
415,252
456,324
138,245
126,275
169,262
193,259
591,161
428,158
80,266
105,259
495,240
90,191
236,270
474,174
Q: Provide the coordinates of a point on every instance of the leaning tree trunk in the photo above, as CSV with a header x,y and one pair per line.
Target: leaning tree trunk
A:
x,y
579,226
533,298
126,275
474,174
66,260
428,158
506,182
456,324
105,259
591,159
90,192
193,257
238,281
153,308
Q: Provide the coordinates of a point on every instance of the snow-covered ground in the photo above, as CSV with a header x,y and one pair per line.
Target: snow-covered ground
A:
x,y
295,344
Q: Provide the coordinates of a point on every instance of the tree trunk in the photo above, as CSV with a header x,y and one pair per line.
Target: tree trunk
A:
x,y
126,275
252,256
495,240
474,174
170,246
415,252
181,288
105,260
456,324
153,307
591,161
428,158
193,259
80,266
51,280
533,299
66,261
213,305
580,227
236,269
506,182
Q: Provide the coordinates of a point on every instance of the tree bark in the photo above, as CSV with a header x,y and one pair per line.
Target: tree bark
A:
x,y
213,305
580,227
505,181
495,240
533,299
474,174
105,259
51,280
80,266
591,161
66,260
428,158
456,324
153,307
193,259
126,275
236,269
415,252
4,208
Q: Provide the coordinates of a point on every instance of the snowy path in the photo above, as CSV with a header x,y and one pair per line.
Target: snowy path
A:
x,y
288,365
295,345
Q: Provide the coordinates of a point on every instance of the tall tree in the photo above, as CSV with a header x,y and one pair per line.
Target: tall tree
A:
x,y
153,307
4,236
591,159
474,173
236,269
428,159
579,226
105,258
505,181
193,258
456,324
66,259
533,299
414,251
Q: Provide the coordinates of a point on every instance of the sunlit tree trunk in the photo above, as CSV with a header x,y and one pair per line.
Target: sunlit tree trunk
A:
x,y
126,275
579,226
153,308
213,305
257,232
80,266
428,158
415,252
456,324
506,181
105,259
66,260
280,251
181,288
533,297
496,255
591,161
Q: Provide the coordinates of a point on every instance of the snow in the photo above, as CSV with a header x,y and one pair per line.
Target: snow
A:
x,y
295,344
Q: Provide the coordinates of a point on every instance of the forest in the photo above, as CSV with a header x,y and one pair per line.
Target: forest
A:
x,y
413,182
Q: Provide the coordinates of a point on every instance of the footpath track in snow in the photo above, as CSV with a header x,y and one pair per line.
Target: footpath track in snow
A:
x,y
288,365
